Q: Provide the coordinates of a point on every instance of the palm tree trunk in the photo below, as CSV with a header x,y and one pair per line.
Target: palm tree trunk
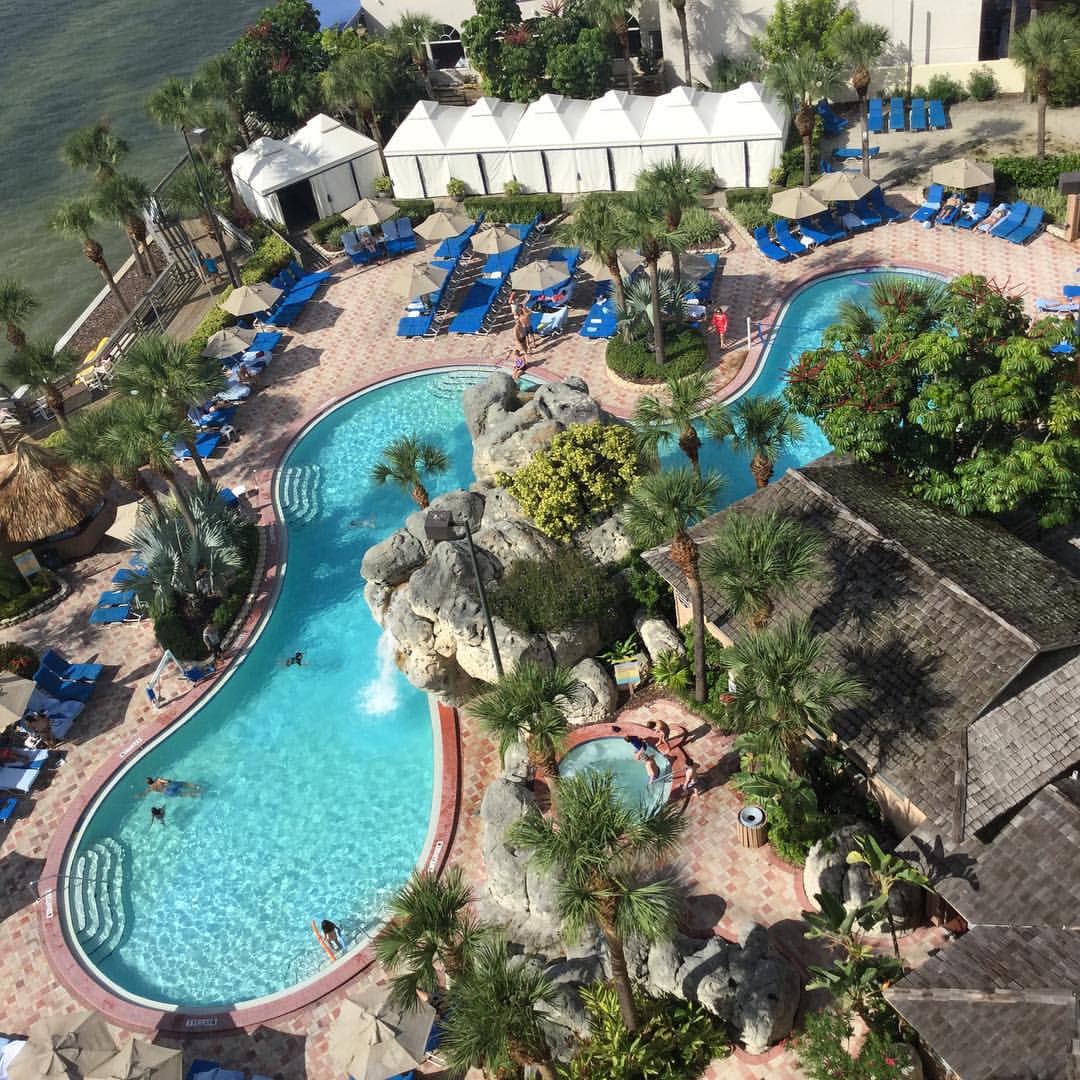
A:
x,y
372,118
690,444
420,495
55,401
197,458
697,611
141,261
620,976
1012,21
892,928
181,501
143,488
15,335
1040,131
95,256
762,470
617,283
680,11
864,115
807,159
658,323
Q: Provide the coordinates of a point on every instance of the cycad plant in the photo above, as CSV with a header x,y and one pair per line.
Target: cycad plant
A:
x,y
763,427
860,45
16,304
1045,48
76,218
406,461
637,313
657,421
800,81
40,364
608,857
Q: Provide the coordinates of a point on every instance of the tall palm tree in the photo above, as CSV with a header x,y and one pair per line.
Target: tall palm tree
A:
x,y
754,559
763,427
220,77
783,687
121,199
410,34
663,507
406,461
885,870
607,854
76,218
860,45
679,7
157,367
223,141
614,15
676,186
183,197
530,702
39,364
16,303
636,317
94,149
363,80
800,81
1044,49
594,226
431,929
657,421
495,1015
172,104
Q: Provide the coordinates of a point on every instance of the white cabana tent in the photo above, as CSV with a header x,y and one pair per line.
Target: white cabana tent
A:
x,y
478,147
756,119
416,154
320,169
681,118
612,130
543,154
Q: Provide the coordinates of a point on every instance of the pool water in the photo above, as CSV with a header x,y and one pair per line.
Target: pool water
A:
x,y
614,755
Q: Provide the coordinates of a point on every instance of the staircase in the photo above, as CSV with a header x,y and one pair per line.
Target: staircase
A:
x,y
454,383
310,257
300,493
96,895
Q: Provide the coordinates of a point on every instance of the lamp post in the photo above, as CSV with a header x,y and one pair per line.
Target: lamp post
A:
x,y
440,525
197,137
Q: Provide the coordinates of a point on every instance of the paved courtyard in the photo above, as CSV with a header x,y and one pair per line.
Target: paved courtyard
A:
x,y
343,342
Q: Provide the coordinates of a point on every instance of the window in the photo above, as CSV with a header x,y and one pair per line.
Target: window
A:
x,y
446,50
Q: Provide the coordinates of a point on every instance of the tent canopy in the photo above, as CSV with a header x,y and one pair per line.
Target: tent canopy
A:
x,y
682,115
552,121
616,119
426,130
487,124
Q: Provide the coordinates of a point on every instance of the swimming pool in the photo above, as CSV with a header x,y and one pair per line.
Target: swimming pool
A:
x,y
318,779
614,755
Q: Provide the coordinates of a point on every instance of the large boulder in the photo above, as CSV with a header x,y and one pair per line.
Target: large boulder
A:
x,y
504,802
574,643
461,504
497,395
566,403
392,560
606,542
598,697
658,635
513,540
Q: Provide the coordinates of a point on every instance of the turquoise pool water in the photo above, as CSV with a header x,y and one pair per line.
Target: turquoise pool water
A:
x,y
616,756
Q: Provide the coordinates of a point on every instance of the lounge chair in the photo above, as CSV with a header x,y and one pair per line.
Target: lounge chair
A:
x,y
949,214
478,303
205,444
405,240
790,243
931,204
1056,307
918,114
875,120
17,779
108,614
854,153
896,114
56,662
63,690
1070,292
866,213
549,323
416,324
832,123
883,209
766,246
7,809
820,232
602,320
976,214
1012,221
938,119
265,341
303,278
358,254
1032,224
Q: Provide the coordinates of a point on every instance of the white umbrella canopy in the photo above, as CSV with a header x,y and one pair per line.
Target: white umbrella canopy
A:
x,y
538,275
419,279
14,697
140,1060
495,241
370,212
442,225
63,1043
796,203
628,261
842,186
228,343
962,173
251,299
371,1039
690,265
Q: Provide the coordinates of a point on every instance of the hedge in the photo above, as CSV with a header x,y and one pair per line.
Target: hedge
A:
x,y
685,351
1029,172
750,207
270,255
215,319
1050,199
502,209
414,209
322,229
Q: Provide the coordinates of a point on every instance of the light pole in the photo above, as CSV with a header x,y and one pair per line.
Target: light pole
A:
x,y
197,137
440,525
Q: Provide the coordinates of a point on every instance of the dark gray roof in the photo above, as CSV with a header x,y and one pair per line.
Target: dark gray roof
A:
x,y
997,1003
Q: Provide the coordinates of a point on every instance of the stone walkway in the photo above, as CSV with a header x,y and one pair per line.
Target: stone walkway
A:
x,y
343,342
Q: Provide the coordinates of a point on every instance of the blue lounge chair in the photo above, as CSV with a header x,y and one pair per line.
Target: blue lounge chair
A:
x,y
846,208
205,444
8,809
266,341
417,325
949,214
767,247
51,683
918,114
896,114
826,166
307,279
1032,224
1012,221
57,663
522,229
938,119
406,238
791,244
358,255
931,204
978,212
814,230
875,117
866,213
1070,292
832,123
854,153
883,209
113,614
477,306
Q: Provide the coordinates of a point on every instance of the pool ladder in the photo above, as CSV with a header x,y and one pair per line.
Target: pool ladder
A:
x,y
300,486
96,894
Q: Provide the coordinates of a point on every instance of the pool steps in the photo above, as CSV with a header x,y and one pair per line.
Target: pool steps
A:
x,y
300,486
455,383
96,893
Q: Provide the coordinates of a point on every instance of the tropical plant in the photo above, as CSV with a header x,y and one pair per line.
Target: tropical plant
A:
x,y
626,649
802,25
76,218
1045,48
783,687
530,703
410,34
676,186
594,226
581,68
614,15
885,870
184,195
220,77
41,365
838,926
689,398
754,559
172,104
671,670
764,427
729,73
431,933
860,46
856,984
606,855
496,1012
406,461
94,149
679,7
484,33
637,314
791,804
663,507
364,81
16,303
800,80
121,199
826,1051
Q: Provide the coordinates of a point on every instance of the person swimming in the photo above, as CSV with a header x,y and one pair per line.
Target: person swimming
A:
x,y
161,785
362,523
332,932
157,813
297,659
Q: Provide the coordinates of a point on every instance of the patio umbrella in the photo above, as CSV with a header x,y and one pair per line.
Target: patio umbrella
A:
x,y
14,697
796,203
372,1039
495,241
419,279
962,173
597,269
442,225
370,212
228,343
538,275
141,1060
251,299
690,265
842,186
57,1044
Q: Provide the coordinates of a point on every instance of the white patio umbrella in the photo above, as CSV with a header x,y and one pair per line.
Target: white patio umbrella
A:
x,y
495,241
690,265
62,1044
14,697
962,173
796,203
538,275
442,225
141,1060
370,212
228,343
419,279
251,299
842,186
372,1039
627,260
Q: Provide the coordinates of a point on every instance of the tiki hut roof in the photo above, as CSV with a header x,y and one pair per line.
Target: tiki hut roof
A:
x,y
42,493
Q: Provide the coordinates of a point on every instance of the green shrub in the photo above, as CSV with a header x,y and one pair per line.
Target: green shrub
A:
x,y
672,671
45,585
456,188
414,209
584,474
825,1046
1050,199
1029,172
513,188
685,351
18,659
322,229
214,320
647,588
982,84
271,255
175,635
383,185
538,595
56,440
12,583
944,89
501,209
750,207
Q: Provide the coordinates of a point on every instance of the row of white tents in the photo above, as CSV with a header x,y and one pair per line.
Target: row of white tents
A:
x,y
562,144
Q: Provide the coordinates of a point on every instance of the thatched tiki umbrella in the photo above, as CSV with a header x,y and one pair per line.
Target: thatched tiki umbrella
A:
x,y
43,496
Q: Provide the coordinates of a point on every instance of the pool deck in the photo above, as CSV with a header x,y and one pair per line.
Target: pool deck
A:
x,y
342,343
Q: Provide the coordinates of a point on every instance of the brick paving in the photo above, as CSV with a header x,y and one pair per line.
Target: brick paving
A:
x,y
343,342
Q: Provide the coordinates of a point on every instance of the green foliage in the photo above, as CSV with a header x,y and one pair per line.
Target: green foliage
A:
x,y
729,73
685,351
501,209
945,89
1050,199
671,670
271,255
12,583
801,26
621,650
414,209
982,84
383,185
647,588
1029,172
792,834
19,659
538,595
824,1051
584,474
323,228
214,320
513,188
456,188
482,35
676,1040
750,206
177,634
582,68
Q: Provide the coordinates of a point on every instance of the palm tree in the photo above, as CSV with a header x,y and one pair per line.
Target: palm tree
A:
x,y
495,1015
183,197
222,141
39,364
656,421
121,199
363,80
410,34
76,218
594,226
783,687
1044,49
94,149
679,7
800,81
171,104
885,871
405,461
761,426
754,559
220,77
16,303
860,45
635,318
530,702
663,507
676,186
431,927
157,367
606,854
614,15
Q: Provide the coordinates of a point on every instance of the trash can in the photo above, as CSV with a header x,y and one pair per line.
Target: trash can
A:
x,y
752,827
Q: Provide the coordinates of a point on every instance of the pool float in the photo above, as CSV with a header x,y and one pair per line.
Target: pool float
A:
x,y
322,941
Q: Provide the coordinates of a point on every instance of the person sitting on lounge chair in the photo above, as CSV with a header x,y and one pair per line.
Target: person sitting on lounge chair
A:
x,y
997,215
39,725
953,203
